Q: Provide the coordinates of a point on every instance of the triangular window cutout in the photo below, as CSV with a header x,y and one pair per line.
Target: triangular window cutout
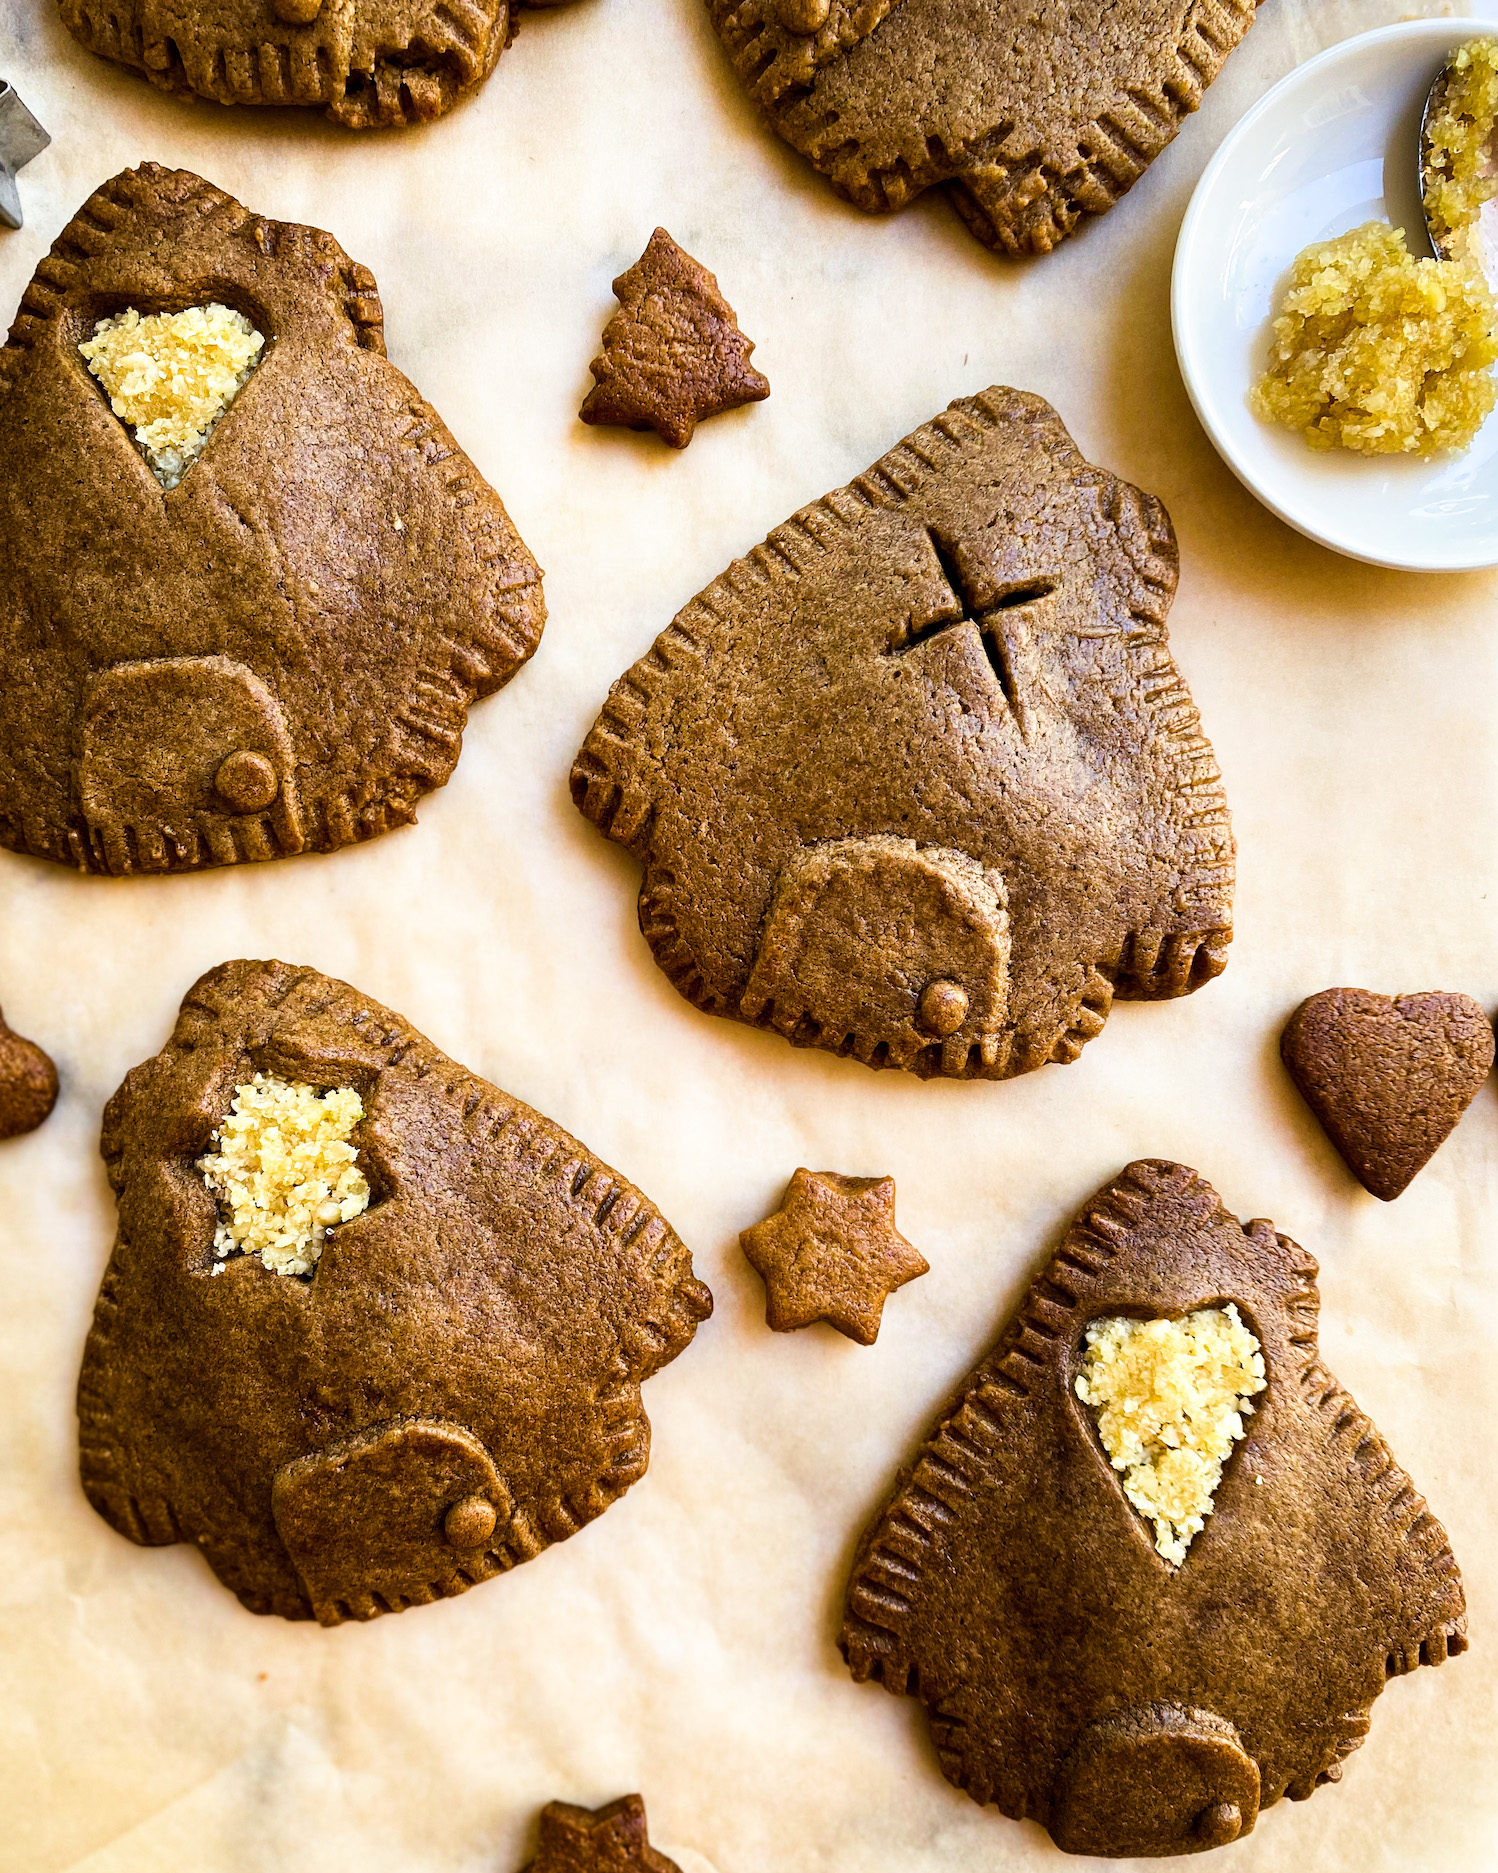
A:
x,y
170,376
285,1172
1168,1398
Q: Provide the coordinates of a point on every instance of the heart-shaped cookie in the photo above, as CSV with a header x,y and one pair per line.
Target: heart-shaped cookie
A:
x,y
1387,1077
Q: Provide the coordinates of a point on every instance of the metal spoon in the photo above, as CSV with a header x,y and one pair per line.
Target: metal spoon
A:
x,y
1482,243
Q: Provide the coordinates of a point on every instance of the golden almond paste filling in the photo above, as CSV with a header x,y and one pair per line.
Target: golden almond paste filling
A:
x,y
1169,1398
1459,177
1378,352
284,1172
170,376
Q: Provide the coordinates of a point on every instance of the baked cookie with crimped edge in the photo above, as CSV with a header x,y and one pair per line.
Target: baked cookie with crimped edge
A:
x,y
917,780
455,1386
1027,130
321,598
1070,1674
366,64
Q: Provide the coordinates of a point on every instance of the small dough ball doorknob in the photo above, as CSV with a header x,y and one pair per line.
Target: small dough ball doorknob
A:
x,y
470,1523
1220,1823
296,12
246,782
943,1008
804,16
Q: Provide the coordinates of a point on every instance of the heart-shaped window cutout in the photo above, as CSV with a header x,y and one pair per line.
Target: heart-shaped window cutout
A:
x,y
284,1172
1168,1398
170,376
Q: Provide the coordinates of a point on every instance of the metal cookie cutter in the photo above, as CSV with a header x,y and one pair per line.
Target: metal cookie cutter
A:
x,y
21,138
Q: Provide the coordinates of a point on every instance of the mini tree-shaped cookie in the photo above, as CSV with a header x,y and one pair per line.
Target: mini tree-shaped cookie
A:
x,y
249,583
673,352
917,780
1154,1566
373,1331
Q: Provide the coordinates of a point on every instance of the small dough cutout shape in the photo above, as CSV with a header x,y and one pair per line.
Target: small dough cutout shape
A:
x,y
373,1331
918,780
1388,1078
28,1084
1064,1544
1169,1398
673,352
831,1252
249,583
1028,118
364,65
612,1839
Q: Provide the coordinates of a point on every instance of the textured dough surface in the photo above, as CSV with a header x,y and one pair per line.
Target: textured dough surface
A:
x,y
684,1645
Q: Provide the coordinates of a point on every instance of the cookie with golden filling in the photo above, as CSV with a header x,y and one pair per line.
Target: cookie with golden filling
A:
x,y
1029,118
918,780
367,64
1136,1651
373,1331
249,583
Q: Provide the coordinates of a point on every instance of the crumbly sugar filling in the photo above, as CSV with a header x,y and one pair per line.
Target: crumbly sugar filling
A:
x,y
1169,1398
1459,176
1378,352
284,1172
170,376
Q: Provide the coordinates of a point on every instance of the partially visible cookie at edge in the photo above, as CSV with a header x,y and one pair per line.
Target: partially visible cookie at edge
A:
x,y
1387,1076
611,1839
1153,1567
245,617
373,1331
1028,118
365,66
28,1084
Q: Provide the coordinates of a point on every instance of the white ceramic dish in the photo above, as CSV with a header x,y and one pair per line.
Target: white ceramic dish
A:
x,y
1333,145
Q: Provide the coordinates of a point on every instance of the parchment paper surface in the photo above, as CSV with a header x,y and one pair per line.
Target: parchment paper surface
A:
x,y
684,1644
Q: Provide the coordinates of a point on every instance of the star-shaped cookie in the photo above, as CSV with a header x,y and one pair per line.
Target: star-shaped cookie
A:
x,y
673,352
612,1839
831,1252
